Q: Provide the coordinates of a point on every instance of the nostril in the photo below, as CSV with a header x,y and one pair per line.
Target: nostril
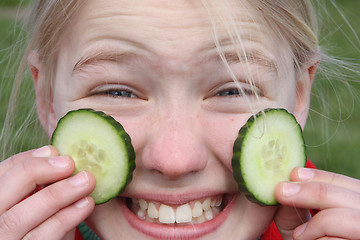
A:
x,y
172,175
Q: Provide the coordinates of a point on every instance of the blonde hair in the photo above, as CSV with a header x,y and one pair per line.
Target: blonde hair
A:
x,y
43,28
291,20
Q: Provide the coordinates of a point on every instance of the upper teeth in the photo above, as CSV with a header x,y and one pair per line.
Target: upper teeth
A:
x,y
193,212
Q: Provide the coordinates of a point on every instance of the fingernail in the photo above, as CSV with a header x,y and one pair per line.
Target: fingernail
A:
x,y
44,151
82,202
79,179
290,189
305,174
299,230
59,162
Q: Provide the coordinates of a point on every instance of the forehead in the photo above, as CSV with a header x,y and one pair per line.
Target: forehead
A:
x,y
167,27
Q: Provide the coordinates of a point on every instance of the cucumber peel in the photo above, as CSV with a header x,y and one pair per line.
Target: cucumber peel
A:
x,y
99,144
267,148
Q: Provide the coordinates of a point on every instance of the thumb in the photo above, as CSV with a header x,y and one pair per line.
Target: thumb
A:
x,y
288,218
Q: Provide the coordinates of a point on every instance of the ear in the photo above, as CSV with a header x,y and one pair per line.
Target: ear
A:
x,y
303,90
43,93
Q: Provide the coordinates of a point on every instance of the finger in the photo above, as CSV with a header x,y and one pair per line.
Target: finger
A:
x,y
26,215
306,174
316,195
45,151
331,238
64,221
288,218
338,223
22,179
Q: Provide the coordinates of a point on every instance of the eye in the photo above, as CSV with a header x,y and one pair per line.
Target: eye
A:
x,y
115,91
236,92
229,92
120,93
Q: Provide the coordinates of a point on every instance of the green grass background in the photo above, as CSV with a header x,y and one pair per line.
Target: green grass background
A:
x,y
332,137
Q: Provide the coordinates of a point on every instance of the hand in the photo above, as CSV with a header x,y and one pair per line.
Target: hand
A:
x,y
53,211
337,198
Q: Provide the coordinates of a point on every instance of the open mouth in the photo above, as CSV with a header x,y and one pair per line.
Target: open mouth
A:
x,y
190,213
193,212
186,220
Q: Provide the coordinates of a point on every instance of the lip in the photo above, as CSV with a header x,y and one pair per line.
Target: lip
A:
x,y
163,231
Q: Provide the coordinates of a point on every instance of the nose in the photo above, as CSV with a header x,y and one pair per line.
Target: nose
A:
x,y
175,147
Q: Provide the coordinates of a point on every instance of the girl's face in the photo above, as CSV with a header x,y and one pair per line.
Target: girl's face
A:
x,y
154,67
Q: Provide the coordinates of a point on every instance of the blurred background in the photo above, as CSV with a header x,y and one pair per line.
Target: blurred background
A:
x,y
332,133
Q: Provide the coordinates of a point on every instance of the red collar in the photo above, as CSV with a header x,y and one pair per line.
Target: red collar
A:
x,y
78,235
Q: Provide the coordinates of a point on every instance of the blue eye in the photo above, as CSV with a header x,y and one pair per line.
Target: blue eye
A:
x,y
229,92
235,92
120,93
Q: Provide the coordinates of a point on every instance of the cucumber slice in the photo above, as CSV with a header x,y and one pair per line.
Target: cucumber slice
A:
x,y
267,148
100,145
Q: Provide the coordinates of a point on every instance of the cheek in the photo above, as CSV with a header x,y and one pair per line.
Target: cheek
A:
x,y
138,127
221,132
286,89
288,97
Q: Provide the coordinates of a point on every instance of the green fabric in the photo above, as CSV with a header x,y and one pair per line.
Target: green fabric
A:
x,y
87,233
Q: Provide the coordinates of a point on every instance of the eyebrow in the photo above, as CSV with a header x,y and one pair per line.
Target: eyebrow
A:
x,y
237,54
252,56
99,56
